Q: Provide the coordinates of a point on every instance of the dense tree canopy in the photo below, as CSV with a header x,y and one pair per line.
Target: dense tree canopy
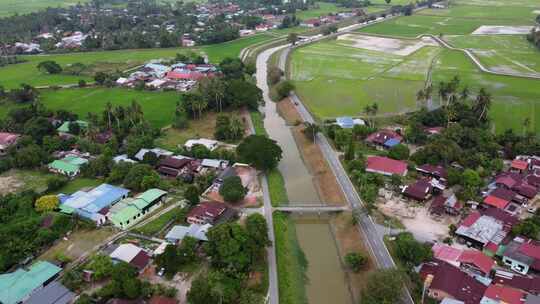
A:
x,y
260,151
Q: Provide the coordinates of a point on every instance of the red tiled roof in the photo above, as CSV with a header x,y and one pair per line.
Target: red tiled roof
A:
x,y
519,164
496,202
185,76
140,260
505,294
471,219
491,247
531,249
446,253
525,283
173,162
454,282
162,300
386,165
7,138
526,190
380,137
419,190
509,180
438,171
207,210
478,259
505,217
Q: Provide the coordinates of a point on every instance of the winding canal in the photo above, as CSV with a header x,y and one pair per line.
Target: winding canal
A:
x,y
326,279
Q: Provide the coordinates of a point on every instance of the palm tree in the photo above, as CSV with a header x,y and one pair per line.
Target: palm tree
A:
x,y
200,105
236,127
108,112
526,123
464,94
482,104
420,96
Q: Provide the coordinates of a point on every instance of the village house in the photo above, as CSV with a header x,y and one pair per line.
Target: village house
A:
x,y
386,166
530,284
7,140
384,139
157,151
522,255
179,232
449,205
94,204
210,144
64,129
69,166
17,287
437,172
446,281
208,213
471,261
131,254
479,230
172,166
53,293
498,294
347,122
502,198
128,212
419,191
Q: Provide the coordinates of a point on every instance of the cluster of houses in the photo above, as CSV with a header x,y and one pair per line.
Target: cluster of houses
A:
x,y
468,272
179,76
330,18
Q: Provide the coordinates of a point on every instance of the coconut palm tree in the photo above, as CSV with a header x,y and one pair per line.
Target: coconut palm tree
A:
x,y
482,104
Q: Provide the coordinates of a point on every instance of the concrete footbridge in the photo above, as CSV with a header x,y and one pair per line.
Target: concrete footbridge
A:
x,y
311,208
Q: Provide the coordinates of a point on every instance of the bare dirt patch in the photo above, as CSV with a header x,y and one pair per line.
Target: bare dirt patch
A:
x,y
502,30
387,45
9,184
417,220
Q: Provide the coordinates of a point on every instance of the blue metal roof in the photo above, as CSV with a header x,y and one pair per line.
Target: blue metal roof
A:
x,y
392,142
345,122
89,203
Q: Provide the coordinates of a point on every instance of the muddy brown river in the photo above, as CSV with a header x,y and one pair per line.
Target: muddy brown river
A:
x,y
327,282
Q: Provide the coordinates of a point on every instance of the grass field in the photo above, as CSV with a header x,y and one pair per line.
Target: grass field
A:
x,y
323,9
10,7
13,75
335,79
158,107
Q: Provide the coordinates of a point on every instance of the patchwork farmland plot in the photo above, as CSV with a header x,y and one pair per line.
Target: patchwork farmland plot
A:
x,y
336,78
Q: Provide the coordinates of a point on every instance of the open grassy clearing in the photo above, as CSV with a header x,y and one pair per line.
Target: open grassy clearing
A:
x,y
510,53
78,243
336,79
514,99
16,180
13,75
158,107
323,9
11,7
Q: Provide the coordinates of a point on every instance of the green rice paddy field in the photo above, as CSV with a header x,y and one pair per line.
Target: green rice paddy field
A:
x,y
337,79
13,75
10,7
158,107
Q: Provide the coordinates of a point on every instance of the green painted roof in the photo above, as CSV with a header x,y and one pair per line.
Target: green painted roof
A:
x,y
64,166
74,160
139,203
15,286
66,209
124,214
64,128
151,195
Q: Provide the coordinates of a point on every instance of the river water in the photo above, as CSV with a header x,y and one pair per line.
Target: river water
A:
x,y
327,282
